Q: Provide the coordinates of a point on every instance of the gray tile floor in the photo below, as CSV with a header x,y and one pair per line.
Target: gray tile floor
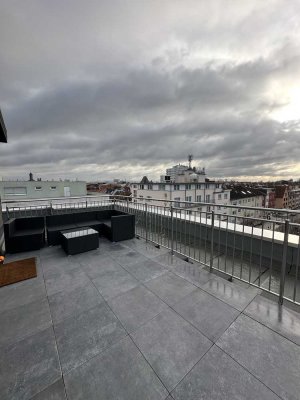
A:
x,y
129,321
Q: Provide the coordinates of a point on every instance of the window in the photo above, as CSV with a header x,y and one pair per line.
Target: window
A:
x,y
207,198
176,187
199,198
225,196
141,186
207,185
198,186
219,196
135,186
150,187
217,186
219,207
188,198
53,187
38,188
163,187
177,202
188,186
15,191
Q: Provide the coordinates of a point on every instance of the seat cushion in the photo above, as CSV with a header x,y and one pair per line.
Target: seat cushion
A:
x,y
28,232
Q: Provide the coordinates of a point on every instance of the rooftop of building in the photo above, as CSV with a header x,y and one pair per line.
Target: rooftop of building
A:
x,y
130,321
241,192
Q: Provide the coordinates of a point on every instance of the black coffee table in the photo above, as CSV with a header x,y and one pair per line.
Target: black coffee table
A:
x,y
79,240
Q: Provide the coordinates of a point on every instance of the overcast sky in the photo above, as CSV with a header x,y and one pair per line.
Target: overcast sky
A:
x,y
120,89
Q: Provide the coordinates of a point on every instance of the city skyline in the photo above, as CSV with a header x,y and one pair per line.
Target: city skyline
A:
x,y
103,90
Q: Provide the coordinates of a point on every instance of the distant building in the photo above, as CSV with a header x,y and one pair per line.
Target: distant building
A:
x,y
281,196
245,196
269,201
20,190
186,188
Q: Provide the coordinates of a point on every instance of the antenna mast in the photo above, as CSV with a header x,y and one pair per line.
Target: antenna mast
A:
x,y
190,158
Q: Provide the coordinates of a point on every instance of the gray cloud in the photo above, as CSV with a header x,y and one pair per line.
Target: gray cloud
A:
x,y
123,89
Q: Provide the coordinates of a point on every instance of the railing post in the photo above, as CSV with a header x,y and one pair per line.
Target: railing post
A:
x,y
146,221
114,202
172,230
284,257
212,241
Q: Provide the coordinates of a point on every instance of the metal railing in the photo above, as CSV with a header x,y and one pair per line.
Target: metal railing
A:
x,y
262,250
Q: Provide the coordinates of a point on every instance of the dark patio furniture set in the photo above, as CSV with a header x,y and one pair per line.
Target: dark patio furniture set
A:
x,y
32,233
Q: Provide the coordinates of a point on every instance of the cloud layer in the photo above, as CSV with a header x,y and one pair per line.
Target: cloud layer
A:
x,y
98,90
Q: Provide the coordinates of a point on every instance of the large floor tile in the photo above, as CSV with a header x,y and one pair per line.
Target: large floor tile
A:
x,y
113,249
114,283
24,320
29,366
69,303
149,250
279,318
146,270
170,261
274,360
121,372
56,391
59,265
129,258
82,337
170,288
231,293
193,273
136,307
218,377
97,266
21,293
210,315
171,345
66,280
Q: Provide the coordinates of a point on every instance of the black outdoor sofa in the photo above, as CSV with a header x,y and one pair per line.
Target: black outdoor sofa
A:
x,y
115,225
24,234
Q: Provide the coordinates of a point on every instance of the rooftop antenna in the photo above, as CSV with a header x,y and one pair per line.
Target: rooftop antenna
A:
x,y
190,158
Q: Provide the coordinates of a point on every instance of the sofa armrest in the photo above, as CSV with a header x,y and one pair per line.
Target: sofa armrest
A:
x,y
122,227
9,228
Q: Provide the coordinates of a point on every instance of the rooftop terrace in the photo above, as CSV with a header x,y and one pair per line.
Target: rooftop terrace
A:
x,y
130,321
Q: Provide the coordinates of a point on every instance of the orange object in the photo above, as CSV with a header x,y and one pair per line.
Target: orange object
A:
x,y
1,259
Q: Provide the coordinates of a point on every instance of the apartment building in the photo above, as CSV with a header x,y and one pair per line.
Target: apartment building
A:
x,y
245,196
186,188
21,190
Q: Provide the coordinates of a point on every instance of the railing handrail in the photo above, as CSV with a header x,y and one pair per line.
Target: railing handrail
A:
x,y
285,211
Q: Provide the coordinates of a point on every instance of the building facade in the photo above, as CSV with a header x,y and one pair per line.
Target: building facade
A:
x,y
244,196
21,190
188,189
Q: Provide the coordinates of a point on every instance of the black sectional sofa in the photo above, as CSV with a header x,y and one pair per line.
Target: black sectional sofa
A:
x,y
24,234
115,225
